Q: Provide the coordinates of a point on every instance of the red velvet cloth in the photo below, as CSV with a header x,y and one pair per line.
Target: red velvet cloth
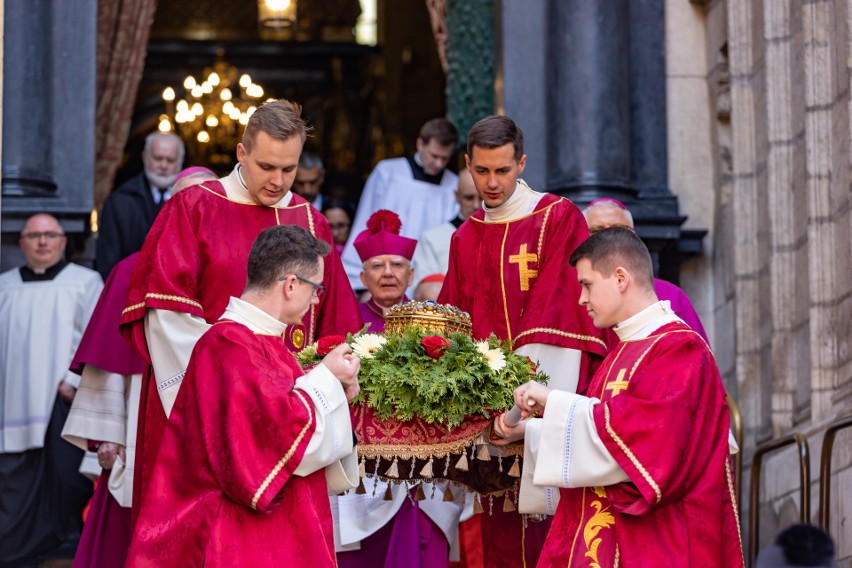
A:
x,y
515,281
222,491
669,432
193,260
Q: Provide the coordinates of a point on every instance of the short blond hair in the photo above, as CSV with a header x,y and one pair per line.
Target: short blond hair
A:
x,y
281,119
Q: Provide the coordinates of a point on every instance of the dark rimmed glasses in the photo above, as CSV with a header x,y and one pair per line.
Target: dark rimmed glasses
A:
x,y
318,288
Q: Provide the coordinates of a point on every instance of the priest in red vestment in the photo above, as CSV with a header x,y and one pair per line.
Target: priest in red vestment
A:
x,y
643,461
509,269
241,477
195,256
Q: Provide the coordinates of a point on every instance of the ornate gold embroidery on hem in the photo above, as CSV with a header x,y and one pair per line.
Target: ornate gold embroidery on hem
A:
x,y
426,451
280,465
599,521
503,280
631,456
734,503
560,333
311,227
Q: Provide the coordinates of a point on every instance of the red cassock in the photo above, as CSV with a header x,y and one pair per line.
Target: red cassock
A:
x,y
515,281
194,260
664,419
222,491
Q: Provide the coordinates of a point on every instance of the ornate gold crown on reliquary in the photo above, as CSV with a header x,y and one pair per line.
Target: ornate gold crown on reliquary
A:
x,y
428,315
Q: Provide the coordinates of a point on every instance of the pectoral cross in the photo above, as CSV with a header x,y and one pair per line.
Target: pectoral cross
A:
x,y
521,259
619,385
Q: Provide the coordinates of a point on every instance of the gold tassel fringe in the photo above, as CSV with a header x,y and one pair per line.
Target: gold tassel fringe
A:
x,y
427,469
461,465
483,454
393,470
388,493
448,494
477,505
515,470
420,496
508,506
361,490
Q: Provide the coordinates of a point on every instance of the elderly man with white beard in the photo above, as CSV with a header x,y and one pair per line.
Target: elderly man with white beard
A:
x,y
131,208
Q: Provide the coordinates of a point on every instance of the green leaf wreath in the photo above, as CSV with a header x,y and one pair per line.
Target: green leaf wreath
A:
x,y
400,379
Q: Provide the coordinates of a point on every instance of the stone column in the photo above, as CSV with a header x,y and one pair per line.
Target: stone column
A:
x,y
588,98
48,117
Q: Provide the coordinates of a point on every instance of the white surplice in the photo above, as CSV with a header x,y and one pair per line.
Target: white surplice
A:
x,y
41,324
419,204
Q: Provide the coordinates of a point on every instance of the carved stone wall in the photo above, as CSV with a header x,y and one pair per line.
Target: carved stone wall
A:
x,y
778,79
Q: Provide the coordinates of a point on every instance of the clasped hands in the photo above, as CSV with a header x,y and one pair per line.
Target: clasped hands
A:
x,y
344,365
531,398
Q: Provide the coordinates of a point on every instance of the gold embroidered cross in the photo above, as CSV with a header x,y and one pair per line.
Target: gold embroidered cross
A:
x,y
619,385
521,259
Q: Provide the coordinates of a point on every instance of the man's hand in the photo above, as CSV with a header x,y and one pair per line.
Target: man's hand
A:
x,y
344,365
531,397
66,391
507,434
107,452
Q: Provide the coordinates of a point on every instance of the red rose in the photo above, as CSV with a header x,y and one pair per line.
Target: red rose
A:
x,y
326,344
533,370
435,345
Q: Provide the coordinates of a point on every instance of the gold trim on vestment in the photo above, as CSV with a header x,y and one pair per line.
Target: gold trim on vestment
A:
x,y
133,307
503,280
280,465
162,297
602,519
252,203
639,360
541,235
734,504
560,333
536,212
614,359
631,456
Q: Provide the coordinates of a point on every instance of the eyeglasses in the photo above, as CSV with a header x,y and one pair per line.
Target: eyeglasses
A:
x,y
318,288
49,235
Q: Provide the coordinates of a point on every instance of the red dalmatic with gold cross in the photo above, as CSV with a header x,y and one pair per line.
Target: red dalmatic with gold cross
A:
x,y
223,491
664,418
514,278
515,281
194,259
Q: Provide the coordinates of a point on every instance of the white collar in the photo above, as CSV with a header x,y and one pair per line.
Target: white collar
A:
x,y
522,202
236,189
253,318
642,324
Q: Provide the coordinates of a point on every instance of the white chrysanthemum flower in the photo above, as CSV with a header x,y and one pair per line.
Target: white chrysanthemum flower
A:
x,y
495,358
365,346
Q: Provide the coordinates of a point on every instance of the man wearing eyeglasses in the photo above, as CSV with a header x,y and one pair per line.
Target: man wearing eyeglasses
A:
x,y
253,444
194,260
44,307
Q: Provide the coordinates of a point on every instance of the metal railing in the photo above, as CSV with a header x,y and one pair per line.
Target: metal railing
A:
x,y
754,491
825,468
